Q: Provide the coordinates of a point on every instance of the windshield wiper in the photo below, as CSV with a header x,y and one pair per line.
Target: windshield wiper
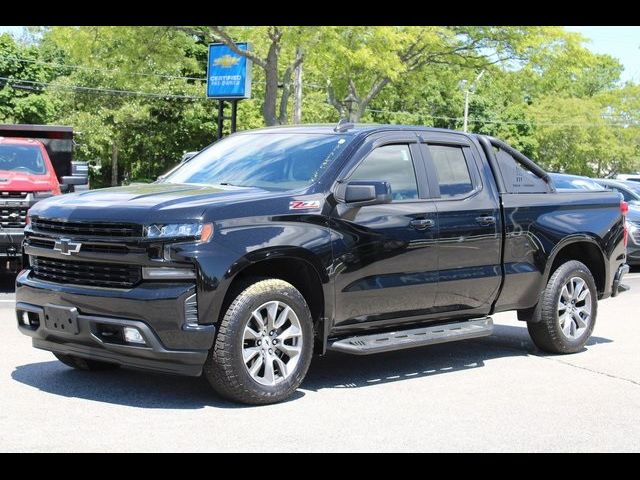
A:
x,y
229,184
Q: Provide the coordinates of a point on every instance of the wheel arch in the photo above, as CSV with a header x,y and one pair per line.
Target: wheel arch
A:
x,y
582,248
295,265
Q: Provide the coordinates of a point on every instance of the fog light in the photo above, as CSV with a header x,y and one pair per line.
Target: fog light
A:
x,y
162,273
25,319
133,335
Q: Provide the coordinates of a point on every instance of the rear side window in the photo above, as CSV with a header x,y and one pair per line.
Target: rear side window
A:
x,y
391,163
516,177
452,170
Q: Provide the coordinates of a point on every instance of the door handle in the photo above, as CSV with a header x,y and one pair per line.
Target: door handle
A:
x,y
488,220
422,223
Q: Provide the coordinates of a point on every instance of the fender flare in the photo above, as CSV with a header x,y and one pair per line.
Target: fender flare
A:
x,y
569,240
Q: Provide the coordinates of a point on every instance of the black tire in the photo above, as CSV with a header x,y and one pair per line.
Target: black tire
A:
x,y
544,329
225,369
85,363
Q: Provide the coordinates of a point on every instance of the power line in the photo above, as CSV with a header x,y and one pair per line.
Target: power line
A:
x,y
166,96
17,84
116,71
93,69
508,122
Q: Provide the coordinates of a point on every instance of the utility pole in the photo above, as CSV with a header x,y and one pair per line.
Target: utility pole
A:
x,y
297,92
467,92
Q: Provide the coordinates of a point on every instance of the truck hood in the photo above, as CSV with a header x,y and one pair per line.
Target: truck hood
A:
x,y
145,203
14,181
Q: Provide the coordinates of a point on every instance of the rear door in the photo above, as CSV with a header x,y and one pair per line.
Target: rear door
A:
x,y
469,225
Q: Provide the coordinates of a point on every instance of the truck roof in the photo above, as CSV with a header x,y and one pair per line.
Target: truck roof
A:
x,y
356,129
18,141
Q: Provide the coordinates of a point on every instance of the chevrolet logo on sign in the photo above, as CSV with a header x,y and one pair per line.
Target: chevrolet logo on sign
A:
x,y
66,246
226,61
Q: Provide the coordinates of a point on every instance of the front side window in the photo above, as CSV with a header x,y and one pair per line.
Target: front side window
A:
x,y
452,170
273,161
393,164
22,158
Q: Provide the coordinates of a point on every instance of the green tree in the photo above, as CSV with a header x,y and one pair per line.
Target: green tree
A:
x,y
24,72
154,108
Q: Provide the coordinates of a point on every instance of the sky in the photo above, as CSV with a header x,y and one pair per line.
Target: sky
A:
x,y
620,42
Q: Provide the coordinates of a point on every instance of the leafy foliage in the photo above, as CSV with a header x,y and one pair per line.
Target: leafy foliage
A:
x,y
139,91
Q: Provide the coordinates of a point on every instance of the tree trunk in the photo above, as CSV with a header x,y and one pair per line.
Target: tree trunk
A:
x,y
114,164
297,92
271,89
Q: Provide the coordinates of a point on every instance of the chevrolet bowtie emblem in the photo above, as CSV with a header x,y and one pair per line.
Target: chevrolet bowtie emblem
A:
x,y
226,61
66,246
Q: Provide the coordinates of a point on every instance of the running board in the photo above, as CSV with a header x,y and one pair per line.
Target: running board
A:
x,y
416,337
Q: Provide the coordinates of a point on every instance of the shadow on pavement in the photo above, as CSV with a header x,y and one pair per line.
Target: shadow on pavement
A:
x,y
335,370
7,282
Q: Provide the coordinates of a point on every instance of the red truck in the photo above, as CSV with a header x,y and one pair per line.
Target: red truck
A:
x,y
35,163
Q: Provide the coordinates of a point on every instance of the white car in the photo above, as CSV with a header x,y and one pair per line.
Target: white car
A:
x,y
628,177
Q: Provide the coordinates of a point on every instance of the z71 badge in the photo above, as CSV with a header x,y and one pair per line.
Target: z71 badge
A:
x,y
304,205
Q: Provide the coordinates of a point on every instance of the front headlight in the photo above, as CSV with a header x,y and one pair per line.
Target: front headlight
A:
x,y
195,231
42,194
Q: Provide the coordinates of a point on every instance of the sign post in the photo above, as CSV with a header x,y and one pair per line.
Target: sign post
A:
x,y
228,78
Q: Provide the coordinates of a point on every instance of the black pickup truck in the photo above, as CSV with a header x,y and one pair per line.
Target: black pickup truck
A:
x,y
272,244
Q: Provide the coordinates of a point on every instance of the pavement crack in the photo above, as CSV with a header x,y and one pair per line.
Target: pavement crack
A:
x,y
610,375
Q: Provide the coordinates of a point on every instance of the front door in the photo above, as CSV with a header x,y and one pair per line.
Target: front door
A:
x,y
386,264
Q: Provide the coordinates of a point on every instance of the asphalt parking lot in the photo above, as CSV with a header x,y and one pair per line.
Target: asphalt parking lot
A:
x,y
491,394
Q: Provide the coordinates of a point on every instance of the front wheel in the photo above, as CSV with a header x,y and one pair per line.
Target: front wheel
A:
x,y
566,313
264,344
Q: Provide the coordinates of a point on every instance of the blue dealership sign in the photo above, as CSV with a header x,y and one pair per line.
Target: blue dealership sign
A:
x,y
228,74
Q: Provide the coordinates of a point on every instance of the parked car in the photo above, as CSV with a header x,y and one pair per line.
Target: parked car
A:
x,y
630,191
628,177
35,163
564,181
273,244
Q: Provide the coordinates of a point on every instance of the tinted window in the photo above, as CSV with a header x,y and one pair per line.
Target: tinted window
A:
x,y
22,158
280,161
517,178
452,170
391,163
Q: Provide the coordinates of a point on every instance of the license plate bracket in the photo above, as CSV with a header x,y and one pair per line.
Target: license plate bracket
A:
x,y
61,319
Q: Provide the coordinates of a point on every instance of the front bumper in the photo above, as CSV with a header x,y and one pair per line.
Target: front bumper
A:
x,y
154,308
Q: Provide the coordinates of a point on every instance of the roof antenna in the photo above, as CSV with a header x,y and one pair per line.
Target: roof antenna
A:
x,y
343,125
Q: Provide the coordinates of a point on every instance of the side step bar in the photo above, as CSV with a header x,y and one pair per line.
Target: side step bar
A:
x,y
416,337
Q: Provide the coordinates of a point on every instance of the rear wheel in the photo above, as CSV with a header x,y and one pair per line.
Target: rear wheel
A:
x,y
566,314
264,344
84,363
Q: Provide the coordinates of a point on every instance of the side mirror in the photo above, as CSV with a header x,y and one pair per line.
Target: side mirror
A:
x,y
68,182
75,180
359,193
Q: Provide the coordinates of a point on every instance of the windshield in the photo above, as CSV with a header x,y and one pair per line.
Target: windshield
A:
x,y
280,161
22,158
574,182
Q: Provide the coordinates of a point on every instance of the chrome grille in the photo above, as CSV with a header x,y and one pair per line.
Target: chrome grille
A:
x,y
6,194
111,275
13,217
